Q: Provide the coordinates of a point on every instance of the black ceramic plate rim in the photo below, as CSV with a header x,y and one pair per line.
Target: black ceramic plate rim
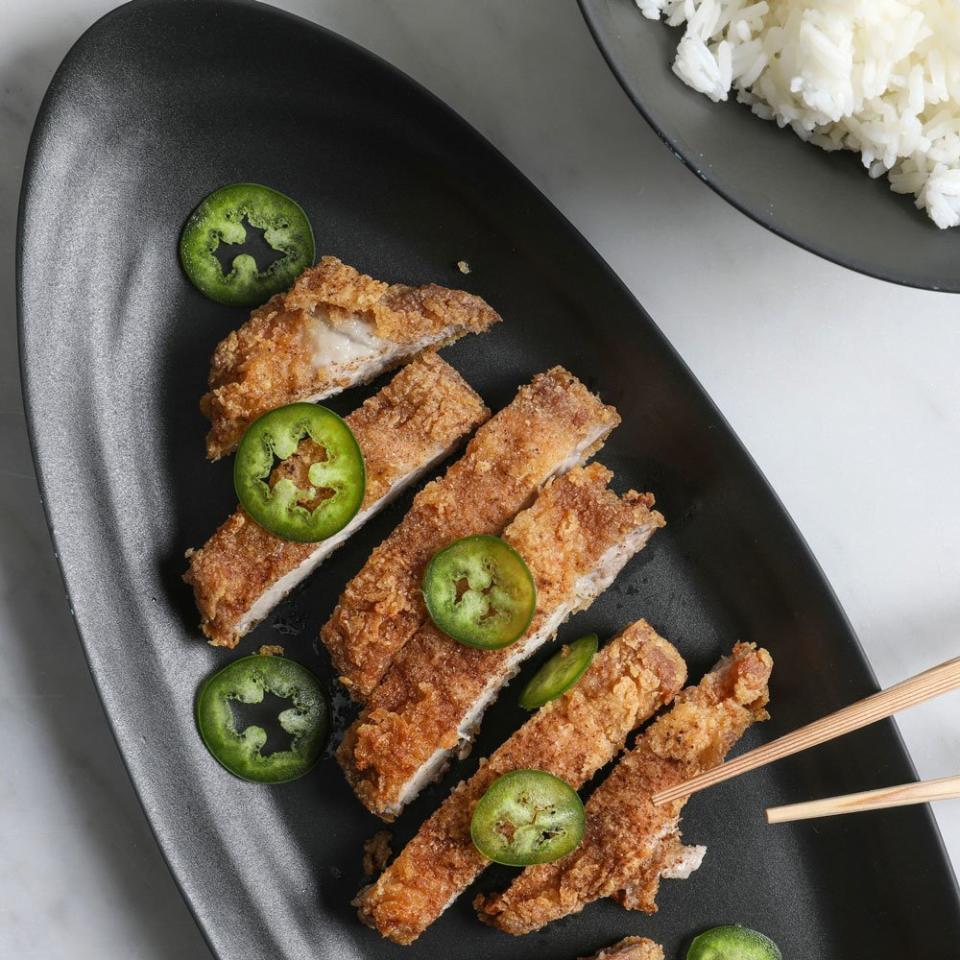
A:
x,y
594,21
34,427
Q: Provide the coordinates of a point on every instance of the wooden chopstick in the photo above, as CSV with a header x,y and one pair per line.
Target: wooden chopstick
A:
x,y
927,791
924,686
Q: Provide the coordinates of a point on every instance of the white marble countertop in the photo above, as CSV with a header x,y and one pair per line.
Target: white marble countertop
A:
x,y
852,411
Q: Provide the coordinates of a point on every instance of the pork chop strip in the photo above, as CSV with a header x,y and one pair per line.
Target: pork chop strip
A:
x,y
572,737
334,328
630,948
551,425
629,843
243,571
575,538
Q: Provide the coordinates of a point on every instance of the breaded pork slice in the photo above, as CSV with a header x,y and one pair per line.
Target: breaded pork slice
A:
x,y
334,328
551,425
629,844
630,948
572,737
243,571
575,539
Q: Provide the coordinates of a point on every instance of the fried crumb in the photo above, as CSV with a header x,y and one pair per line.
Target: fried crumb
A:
x,y
376,853
270,650
630,948
463,266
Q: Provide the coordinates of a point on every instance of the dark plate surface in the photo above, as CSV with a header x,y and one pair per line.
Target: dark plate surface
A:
x,y
161,102
826,203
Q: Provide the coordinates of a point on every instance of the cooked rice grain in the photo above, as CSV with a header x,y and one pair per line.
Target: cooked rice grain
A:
x,y
878,77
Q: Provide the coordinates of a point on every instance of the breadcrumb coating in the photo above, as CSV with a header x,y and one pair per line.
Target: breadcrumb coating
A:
x,y
431,699
270,650
553,423
273,358
629,843
376,853
416,418
630,948
572,737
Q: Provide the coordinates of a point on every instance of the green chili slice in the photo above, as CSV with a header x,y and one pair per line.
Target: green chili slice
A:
x,y
219,219
733,942
559,673
309,496
479,591
527,817
246,680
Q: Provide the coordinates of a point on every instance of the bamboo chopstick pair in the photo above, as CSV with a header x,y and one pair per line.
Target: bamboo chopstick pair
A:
x,y
924,686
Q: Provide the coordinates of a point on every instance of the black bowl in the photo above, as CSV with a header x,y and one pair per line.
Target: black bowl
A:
x,y
823,202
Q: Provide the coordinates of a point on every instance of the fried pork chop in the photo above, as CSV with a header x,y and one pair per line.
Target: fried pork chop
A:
x,y
553,424
334,328
575,538
571,737
413,423
629,844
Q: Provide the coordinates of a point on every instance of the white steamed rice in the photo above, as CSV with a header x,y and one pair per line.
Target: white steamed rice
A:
x,y
879,77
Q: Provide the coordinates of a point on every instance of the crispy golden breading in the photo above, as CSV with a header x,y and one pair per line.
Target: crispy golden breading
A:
x,y
552,423
403,430
273,358
376,853
629,843
575,539
572,737
630,948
